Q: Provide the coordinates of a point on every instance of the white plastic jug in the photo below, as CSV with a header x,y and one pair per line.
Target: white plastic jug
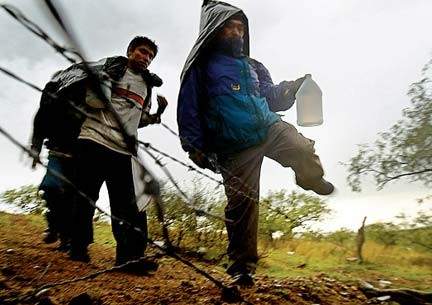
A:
x,y
309,103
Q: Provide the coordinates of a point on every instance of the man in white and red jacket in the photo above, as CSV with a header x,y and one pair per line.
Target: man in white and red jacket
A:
x,y
102,152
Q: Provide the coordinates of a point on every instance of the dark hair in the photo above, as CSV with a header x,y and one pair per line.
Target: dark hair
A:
x,y
141,40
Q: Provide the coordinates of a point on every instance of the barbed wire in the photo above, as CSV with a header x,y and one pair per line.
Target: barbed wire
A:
x,y
142,145
169,252
38,31
63,51
220,167
171,178
159,212
236,190
186,165
92,117
130,143
21,18
128,138
168,128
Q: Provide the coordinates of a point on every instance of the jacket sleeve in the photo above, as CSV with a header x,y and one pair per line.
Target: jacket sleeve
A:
x,y
189,116
279,97
40,126
39,132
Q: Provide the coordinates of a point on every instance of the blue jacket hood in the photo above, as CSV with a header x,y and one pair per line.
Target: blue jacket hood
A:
x,y
213,16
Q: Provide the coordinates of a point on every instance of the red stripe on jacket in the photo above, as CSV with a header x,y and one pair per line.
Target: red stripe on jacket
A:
x,y
120,92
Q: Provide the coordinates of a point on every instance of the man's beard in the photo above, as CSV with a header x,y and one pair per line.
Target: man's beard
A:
x,y
231,46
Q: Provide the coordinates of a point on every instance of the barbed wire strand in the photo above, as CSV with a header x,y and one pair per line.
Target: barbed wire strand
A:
x,y
236,190
130,141
159,212
189,167
171,178
24,20
174,133
186,165
38,31
145,144
92,117
217,283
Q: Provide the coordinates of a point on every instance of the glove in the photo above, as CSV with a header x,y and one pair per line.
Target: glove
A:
x,y
35,152
290,88
297,83
197,158
162,104
203,161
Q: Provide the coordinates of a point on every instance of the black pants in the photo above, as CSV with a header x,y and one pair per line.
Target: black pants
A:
x,y
285,145
97,164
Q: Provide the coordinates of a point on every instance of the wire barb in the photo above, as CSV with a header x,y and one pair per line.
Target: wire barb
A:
x,y
131,142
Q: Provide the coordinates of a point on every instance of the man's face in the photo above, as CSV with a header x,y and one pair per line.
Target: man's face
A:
x,y
140,57
233,28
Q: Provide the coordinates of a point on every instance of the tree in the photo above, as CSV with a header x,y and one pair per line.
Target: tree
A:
x,y
417,232
341,237
284,212
385,233
188,229
406,149
26,198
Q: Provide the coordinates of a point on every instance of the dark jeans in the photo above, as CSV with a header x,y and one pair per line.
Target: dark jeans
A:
x,y
285,145
97,164
59,195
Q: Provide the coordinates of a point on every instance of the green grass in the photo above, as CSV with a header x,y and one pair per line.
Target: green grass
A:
x,y
103,234
405,268
392,263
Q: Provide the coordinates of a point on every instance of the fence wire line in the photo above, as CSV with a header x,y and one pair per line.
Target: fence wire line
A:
x,y
168,252
130,141
38,31
188,203
15,13
21,18
236,190
189,167
171,178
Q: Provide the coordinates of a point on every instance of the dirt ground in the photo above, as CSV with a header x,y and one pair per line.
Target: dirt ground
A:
x,y
27,264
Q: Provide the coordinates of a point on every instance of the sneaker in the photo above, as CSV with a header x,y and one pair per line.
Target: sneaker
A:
x,y
80,255
141,267
243,280
50,237
323,187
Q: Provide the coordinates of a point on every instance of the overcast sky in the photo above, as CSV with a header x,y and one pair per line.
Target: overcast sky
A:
x,y
363,54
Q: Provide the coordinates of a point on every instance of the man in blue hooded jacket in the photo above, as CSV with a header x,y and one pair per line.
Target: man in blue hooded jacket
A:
x,y
226,108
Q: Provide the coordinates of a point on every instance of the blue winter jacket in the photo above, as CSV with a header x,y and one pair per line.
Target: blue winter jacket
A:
x,y
227,104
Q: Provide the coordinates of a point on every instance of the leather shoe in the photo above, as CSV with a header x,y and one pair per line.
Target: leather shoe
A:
x,y
80,255
323,187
